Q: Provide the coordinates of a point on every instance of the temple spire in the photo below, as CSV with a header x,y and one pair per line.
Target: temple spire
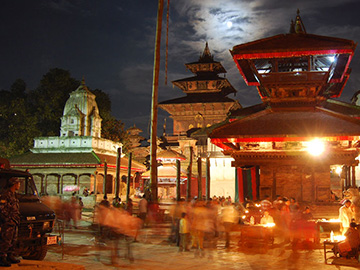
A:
x,y
298,26
206,55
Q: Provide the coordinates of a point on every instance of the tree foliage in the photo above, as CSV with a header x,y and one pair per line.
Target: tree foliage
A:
x,y
17,123
49,98
113,129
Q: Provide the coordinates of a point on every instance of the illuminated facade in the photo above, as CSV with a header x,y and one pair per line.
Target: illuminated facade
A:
x,y
79,158
297,75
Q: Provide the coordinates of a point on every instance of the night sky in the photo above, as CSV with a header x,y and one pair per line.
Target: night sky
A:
x,y
111,43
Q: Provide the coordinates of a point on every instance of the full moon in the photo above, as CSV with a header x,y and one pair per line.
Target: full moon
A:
x,y
229,24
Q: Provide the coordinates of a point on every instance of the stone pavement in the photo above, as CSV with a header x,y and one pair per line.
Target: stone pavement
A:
x,y
153,251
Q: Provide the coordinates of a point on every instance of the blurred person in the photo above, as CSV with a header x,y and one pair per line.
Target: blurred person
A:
x,y
268,232
266,205
117,202
248,202
74,211
278,202
86,192
9,222
81,207
143,209
176,211
211,225
267,218
229,217
346,214
294,206
184,231
198,229
353,237
121,225
129,206
105,202
307,228
66,213
306,214
100,215
285,221
155,217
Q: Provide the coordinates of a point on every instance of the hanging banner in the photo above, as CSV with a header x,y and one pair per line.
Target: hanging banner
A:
x,y
247,183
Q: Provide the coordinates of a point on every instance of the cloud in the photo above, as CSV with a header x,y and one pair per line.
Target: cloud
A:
x,y
251,20
60,5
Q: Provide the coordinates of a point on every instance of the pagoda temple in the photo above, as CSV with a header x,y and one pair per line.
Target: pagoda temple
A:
x,y
299,134
206,103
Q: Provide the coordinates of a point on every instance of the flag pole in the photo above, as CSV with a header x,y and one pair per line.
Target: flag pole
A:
x,y
154,106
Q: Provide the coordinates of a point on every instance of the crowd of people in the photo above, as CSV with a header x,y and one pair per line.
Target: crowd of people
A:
x,y
202,224
198,221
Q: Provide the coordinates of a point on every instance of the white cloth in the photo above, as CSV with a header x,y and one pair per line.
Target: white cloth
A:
x,y
345,216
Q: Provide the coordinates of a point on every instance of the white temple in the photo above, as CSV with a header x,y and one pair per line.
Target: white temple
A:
x,y
80,129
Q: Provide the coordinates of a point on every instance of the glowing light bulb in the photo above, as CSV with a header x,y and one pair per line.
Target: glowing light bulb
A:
x,y
316,147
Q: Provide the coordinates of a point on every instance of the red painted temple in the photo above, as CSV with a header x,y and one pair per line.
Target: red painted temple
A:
x,y
297,75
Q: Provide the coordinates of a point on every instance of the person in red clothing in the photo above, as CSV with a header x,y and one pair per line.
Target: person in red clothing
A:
x,y
353,237
285,220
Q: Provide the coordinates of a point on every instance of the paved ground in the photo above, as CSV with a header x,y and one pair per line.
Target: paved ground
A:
x,y
153,251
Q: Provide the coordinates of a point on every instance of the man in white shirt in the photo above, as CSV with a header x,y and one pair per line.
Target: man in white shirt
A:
x,y
268,232
266,219
346,214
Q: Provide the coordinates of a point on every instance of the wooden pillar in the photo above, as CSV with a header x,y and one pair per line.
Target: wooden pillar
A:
x,y
117,177
42,184
301,185
95,183
313,194
134,177
45,187
207,178
128,179
273,193
353,179
105,178
188,186
77,180
347,177
178,175
61,184
199,168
